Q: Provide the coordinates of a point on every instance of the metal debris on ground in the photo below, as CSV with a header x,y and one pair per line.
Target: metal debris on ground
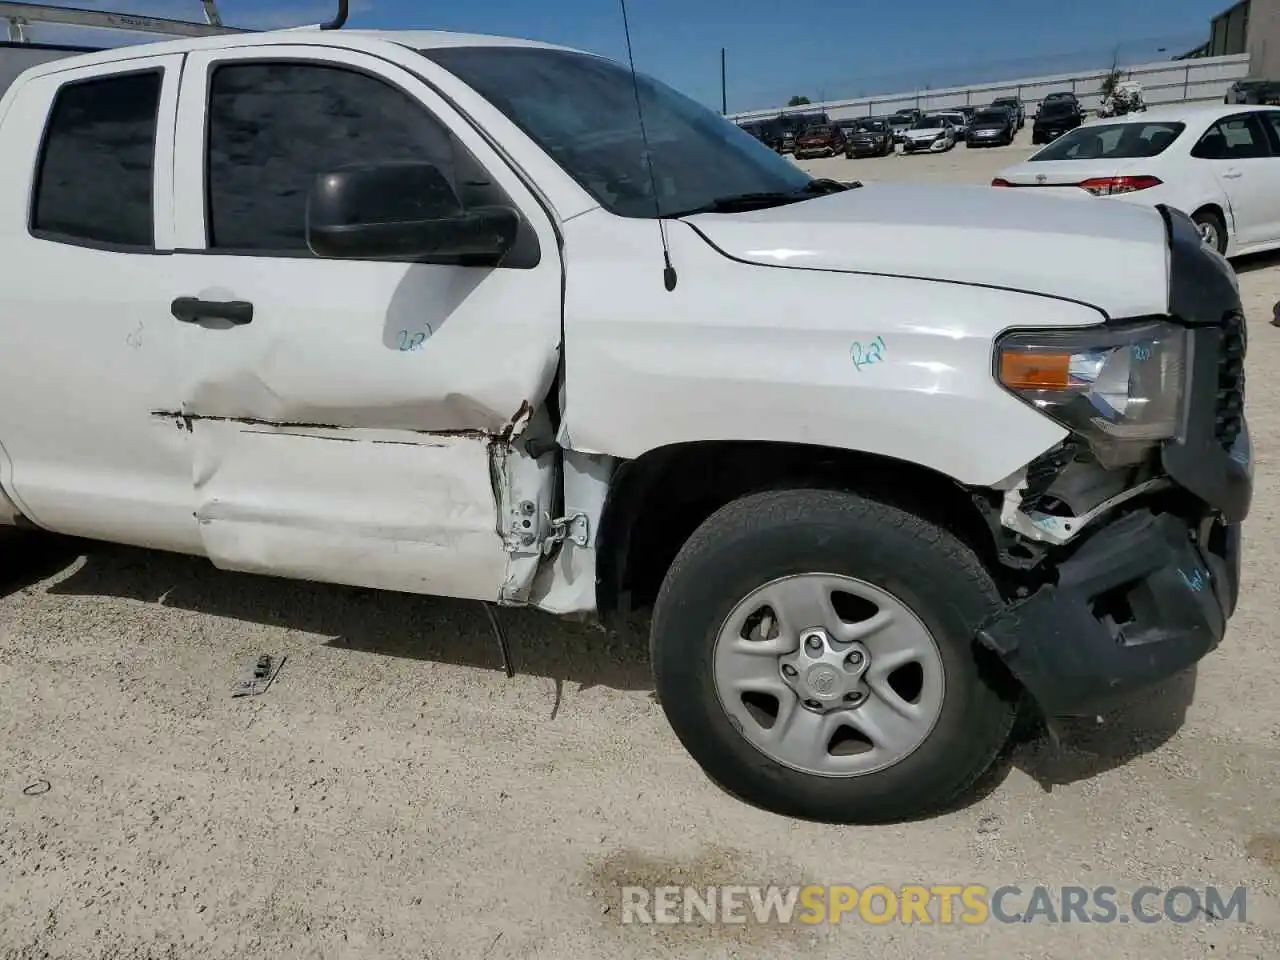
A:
x,y
257,676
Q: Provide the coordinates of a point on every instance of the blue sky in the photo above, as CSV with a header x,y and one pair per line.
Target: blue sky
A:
x,y
819,48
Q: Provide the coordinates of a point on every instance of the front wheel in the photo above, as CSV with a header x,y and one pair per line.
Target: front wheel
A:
x,y
814,653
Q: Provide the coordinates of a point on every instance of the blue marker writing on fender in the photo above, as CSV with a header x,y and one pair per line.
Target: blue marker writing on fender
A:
x,y
1240,457
1195,581
1142,351
411,341
872,353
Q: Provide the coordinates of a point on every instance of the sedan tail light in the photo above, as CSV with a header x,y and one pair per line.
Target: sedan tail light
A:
x,y
1098,186
1110,186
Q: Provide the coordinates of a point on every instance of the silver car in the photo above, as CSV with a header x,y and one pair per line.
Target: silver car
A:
x,y
956,119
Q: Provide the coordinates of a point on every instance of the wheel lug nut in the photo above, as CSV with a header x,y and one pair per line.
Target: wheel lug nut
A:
x,y
854,659
814,643
854,697
788,670
813,704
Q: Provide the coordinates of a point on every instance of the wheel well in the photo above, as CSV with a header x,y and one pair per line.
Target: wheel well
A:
x,y
657,501
1215,210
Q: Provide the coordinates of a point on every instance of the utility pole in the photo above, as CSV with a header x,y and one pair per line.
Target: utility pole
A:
x,y
724,89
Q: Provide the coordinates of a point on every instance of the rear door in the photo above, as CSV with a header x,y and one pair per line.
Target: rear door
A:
x,y
1238,151
89,349
355,421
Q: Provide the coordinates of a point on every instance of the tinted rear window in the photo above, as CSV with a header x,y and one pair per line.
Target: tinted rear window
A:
x,y
1052,108
1113,141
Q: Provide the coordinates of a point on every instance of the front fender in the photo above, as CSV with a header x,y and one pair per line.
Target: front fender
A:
x,y
892,366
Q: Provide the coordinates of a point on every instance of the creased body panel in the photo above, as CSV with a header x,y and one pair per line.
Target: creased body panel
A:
x,y
279,501
357,427
885,365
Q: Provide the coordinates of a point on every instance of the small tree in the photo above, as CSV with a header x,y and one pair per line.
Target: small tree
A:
x,y
1109,83
798,101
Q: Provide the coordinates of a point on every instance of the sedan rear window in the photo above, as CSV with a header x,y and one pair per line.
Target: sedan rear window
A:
x,y
1113,141
1052,108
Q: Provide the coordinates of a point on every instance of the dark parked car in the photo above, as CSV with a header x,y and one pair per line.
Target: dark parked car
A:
x,y
755,128
872,137
1253,91
820,140
1014,104
1055,118
992,127
790,125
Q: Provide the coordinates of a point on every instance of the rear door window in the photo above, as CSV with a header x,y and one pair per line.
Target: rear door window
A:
x,y
94,182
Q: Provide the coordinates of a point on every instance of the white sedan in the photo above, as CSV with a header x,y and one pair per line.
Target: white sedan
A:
x,y
1220,164
932,134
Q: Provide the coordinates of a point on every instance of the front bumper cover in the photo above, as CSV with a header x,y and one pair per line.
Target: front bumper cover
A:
x,y
1137,604
1149,595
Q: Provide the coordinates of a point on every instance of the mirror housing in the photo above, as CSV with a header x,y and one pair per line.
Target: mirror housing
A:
x,y
403,210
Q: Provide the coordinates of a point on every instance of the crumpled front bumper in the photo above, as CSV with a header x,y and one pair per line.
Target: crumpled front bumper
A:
x,y
1149,595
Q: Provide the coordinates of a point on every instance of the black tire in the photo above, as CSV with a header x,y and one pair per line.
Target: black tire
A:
x,y
1211,218
765,536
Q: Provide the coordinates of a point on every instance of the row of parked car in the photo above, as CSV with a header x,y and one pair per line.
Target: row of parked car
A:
x,y
814,134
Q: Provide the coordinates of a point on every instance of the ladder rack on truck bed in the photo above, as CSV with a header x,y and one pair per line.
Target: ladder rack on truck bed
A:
x,y
19,15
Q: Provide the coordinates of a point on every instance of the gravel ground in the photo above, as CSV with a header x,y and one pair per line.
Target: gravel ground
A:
x,y
393,796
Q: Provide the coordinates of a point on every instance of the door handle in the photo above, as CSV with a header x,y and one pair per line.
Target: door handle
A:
x,y
193,310
1232,175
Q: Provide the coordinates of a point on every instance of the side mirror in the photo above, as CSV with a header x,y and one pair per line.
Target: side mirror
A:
x,y
402,210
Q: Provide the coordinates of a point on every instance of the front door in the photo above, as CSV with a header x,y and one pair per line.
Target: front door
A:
x,y
353,421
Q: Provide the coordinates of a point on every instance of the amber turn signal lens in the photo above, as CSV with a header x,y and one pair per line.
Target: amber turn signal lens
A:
x,y
1025,370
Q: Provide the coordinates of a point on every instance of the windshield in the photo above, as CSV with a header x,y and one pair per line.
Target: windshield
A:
x,y
991,116
873,126
817,131
1005,103
929,123
581,110
1112,141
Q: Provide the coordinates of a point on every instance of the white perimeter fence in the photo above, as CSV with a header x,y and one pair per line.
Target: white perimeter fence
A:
x,y
1202,80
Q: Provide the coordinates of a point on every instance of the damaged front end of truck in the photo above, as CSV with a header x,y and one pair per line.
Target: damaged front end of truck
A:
x,y
1125,538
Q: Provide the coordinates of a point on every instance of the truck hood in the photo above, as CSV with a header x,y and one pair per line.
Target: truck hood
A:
x,y
1112,256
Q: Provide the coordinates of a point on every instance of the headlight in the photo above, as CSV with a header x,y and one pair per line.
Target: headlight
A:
x,y
1119,389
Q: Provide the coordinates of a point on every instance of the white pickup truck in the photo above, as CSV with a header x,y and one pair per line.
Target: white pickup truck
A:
x,y
437,313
